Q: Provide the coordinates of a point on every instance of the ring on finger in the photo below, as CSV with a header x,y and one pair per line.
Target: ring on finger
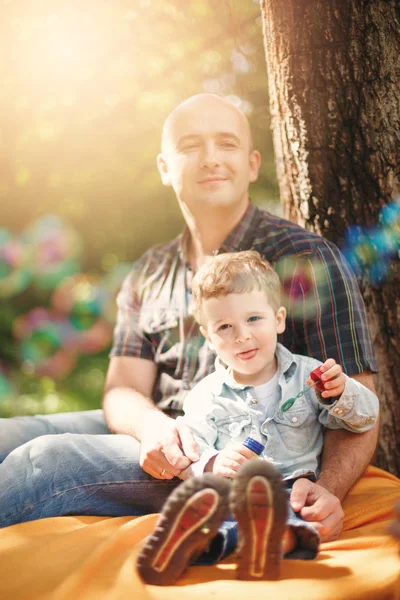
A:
x,y
162,473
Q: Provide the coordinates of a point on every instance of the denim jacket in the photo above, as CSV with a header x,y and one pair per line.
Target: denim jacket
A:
x,y
220,411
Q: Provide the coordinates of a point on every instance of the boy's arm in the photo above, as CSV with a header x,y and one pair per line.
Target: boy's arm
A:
x,y
345,457
356,409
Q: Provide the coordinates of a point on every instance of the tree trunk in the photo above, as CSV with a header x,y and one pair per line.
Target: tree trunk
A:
x,y
334,85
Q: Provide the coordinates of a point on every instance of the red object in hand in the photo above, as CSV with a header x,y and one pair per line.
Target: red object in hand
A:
x,y
316,376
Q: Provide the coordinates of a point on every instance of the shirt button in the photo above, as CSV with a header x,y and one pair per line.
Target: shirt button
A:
x,y
294,420
254,401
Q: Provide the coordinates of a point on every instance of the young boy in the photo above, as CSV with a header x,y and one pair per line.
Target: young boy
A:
x,y
237,304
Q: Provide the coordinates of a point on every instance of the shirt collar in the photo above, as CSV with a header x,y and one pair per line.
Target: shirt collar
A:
x,y
287,366
240,238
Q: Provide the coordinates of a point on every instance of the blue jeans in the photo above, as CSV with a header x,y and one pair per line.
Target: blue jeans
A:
x,y
70,464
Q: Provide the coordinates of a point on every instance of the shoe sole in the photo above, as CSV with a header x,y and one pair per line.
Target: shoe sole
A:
x,y
259,504
189,520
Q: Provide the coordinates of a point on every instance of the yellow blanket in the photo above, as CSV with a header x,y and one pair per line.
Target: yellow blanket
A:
x,y
93,558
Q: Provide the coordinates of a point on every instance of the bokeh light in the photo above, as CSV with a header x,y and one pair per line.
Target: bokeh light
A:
x,y
5,385
299,278
81,300
46,343
14,271
371,251
55,251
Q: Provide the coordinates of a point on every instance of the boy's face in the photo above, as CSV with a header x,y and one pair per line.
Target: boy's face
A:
x,y
243,330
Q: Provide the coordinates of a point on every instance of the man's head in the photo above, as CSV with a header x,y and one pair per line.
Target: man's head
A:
x,y
207,153
237,303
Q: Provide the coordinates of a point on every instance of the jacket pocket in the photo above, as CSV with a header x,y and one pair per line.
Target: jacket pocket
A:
x,y
292,426
234,426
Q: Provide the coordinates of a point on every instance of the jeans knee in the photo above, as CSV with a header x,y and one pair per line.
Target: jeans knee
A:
x,y
50,451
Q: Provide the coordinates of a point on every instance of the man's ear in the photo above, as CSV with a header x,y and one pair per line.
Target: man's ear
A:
x,y
281,319
204,332
254,163
162,166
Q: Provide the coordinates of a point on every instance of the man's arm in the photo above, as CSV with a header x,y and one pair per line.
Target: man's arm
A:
x,y
345,457
129,409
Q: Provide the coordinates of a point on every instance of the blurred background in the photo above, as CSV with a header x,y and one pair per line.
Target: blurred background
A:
x,y
85,88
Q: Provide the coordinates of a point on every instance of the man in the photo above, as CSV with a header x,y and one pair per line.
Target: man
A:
x,y
158,354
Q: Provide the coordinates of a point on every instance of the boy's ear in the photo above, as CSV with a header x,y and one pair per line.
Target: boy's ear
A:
x,y
204,332
163,169
281,319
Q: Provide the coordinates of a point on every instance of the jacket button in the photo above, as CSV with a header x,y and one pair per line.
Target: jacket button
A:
x,y
294,420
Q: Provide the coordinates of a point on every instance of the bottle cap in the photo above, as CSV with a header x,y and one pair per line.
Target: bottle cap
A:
x,y
253,445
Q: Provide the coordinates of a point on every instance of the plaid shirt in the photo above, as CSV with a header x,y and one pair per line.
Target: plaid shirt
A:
x,y
325,311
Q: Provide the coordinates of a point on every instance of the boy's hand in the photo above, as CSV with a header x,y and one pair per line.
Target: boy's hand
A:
x,y
228,460
333,378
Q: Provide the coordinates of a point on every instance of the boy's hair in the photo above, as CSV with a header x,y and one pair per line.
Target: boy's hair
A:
x,y
235,273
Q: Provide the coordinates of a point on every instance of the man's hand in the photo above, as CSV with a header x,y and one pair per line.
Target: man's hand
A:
x,y
319,507
227,462
167,447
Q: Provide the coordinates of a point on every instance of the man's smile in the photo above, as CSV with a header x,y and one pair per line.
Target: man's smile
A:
x,y
212,179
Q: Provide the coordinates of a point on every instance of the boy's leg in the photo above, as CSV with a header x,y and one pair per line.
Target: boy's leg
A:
x,y
306,537
187,525
77,474
259,503
16,431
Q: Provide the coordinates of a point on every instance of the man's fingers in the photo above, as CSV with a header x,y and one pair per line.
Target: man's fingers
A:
x,y
155,464
300,492
329,529
175,456
188,443
322,508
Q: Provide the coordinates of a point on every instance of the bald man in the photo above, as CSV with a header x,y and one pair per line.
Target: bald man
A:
x,y
159,354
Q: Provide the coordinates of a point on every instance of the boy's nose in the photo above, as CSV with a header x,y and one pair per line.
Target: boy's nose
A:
x,y
242,336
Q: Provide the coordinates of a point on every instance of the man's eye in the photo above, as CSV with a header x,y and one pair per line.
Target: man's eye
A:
x,y
228,145
189,148
254,318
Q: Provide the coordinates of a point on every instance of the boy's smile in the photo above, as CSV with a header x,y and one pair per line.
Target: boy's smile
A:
x,y
243,329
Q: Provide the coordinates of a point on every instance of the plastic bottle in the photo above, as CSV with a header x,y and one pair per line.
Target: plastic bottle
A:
x,y
253,445
249,442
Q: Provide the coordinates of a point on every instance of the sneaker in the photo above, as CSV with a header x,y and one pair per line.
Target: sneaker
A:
x,y
189,520
259,504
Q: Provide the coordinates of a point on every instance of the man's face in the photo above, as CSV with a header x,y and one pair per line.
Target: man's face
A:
x,y
243,330
207,157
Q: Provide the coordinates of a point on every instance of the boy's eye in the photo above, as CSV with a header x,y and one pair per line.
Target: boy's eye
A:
x,y
254,318
223,327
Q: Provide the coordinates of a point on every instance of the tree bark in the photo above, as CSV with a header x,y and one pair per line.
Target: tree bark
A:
x,y
334,86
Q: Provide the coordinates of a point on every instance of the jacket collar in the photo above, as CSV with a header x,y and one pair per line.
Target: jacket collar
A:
x,y
287,366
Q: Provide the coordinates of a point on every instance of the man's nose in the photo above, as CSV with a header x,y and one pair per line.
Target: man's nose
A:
x,y
210,157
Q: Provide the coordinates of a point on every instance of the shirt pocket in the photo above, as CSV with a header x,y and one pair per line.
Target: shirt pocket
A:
x,y
293,426
159,318
161,327
233,428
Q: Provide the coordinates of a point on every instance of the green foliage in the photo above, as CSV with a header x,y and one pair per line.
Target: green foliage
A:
x,y
85,89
